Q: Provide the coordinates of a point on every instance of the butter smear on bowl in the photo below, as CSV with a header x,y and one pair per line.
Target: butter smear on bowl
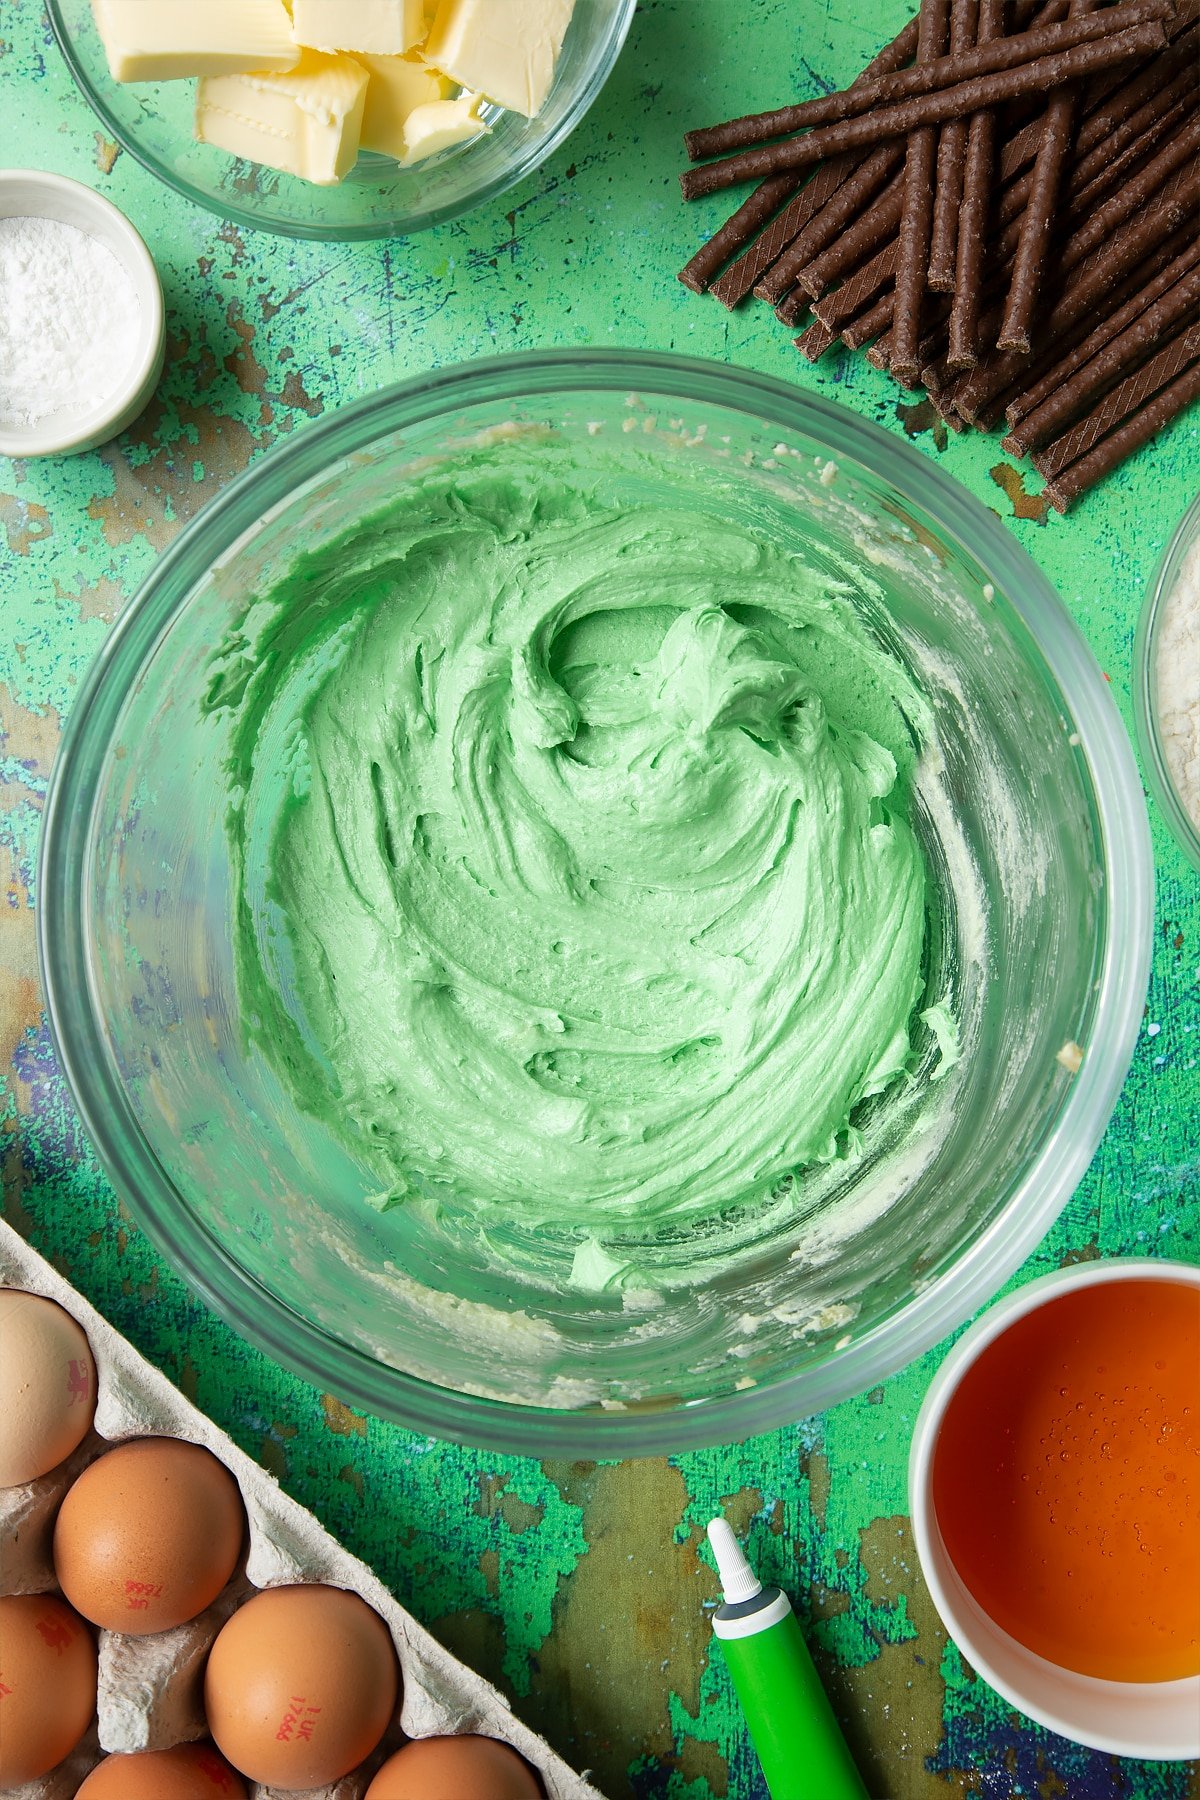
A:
x,y
305,92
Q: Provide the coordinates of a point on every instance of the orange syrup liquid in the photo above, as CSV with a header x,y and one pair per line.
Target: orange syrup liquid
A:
x,y
1066,1480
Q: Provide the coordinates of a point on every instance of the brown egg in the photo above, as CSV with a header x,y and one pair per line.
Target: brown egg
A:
x,y
301,1685
47,1684
149,1535
189,1772
47,1386
455,1768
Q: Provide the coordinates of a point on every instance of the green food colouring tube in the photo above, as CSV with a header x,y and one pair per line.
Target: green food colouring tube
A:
x,y
792,1727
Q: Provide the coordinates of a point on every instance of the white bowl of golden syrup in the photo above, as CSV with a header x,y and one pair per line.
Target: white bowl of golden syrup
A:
x,y
1054,1483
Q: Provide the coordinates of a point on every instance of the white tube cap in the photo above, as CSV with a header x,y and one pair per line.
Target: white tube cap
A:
x,y
738,1580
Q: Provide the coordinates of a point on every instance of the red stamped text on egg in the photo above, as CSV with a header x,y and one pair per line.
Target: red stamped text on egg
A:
x,y
298,1722
5,1690
79,1382
139,1594
57,1632
214,1770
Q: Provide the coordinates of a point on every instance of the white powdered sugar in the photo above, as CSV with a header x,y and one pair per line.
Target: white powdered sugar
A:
x,y
69,321
1177,680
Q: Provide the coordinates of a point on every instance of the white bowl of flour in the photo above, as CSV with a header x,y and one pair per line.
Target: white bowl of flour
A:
x,y
81,317
1167,683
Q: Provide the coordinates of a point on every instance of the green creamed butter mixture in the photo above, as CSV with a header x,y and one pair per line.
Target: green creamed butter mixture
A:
x,y
587,900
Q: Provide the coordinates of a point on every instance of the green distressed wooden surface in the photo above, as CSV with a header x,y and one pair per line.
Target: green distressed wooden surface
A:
x,y
578,1587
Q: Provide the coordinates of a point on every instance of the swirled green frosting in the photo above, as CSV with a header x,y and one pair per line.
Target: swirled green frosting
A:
x,y
575,883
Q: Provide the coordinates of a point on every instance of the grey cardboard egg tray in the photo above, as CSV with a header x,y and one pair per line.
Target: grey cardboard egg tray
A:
x,y
151,1688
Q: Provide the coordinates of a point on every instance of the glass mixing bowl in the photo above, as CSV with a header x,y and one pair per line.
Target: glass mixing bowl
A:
x,y
379,198
1038,923
1146,673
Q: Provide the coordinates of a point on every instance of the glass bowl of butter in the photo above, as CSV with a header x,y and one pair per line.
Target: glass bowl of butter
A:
x,y
594,903
340,119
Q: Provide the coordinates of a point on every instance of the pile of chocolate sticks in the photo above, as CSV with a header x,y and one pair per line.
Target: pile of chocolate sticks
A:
x,y
1005,207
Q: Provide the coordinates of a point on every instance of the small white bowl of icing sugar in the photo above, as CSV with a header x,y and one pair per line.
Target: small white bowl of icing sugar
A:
x,y
81,317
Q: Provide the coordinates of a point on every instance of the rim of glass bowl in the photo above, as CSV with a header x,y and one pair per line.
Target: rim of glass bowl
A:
x,y
1145,682
956,1289
403,223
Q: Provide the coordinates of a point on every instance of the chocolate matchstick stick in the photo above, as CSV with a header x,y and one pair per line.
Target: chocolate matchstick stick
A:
x,y
873,229
947,179
1105,175
1095,277
932,350
814,342
792,307
943,405
842,209
935,72
756,212
880,353
947,198
1136,429
1141,289
1109,118
1115,95
1130,140
932,346
1135,194
1128,297
806,202
936,378
1130,115
739,278
1030,257
1121,354
861,287
916,217
1087,225
906,116
1139,91
978,165
740,226
760,252
1129,396
866,326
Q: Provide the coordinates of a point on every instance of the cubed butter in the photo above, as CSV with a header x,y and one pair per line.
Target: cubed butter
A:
x,y
383,27
505,49
307,122
395,88
442,123
160,40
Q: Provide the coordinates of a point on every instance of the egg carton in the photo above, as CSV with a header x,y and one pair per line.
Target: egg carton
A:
x,y
151,1688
